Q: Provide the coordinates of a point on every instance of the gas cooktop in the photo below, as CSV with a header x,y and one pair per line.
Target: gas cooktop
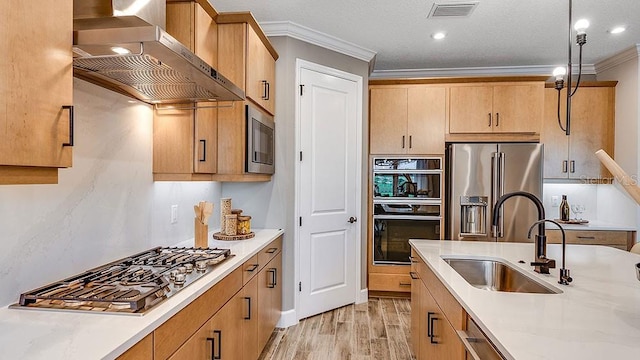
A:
x,y
131,285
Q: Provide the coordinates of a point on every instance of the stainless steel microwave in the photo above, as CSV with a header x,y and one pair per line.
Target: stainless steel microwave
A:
x,y
261,136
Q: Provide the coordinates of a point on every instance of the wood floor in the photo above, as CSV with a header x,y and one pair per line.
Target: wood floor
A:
x,y
379,329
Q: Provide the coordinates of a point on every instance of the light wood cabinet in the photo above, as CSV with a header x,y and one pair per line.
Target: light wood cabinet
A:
x,y
143,350
408,119
247,58
618,239
592,128
436,318
250,322
269,299
496,108
36,91
185,137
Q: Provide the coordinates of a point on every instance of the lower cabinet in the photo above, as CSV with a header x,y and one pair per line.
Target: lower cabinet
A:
x,y
230,321
435,317
618,239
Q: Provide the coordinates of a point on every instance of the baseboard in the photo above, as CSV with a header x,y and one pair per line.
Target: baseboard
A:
x,y
363,296
287,318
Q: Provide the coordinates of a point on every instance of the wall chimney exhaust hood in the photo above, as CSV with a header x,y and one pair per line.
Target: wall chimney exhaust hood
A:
x,y
121,45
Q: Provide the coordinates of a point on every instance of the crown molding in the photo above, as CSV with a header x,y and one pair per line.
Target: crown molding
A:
x,y
629,54
475,71
314,37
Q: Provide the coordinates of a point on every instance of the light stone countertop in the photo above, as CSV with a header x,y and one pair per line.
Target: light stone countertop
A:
x,y
596,317
44,334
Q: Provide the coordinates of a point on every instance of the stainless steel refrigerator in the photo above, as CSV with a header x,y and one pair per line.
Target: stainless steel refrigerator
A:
x,y
477,175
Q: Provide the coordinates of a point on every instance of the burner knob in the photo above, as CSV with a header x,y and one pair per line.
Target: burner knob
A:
x,y
182,270
180,279
189,268
201,265
173,273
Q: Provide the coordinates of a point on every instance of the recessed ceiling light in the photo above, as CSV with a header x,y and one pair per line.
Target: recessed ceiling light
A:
x,y
617,29
438,35
120,50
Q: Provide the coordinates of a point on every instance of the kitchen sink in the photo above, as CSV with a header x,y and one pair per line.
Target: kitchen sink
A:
x,y
494,275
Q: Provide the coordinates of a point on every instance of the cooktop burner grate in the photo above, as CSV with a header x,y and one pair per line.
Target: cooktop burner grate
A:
x,y
130,285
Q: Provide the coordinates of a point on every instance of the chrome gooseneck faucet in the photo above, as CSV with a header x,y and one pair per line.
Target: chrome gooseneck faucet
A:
x,y
542,264
565,278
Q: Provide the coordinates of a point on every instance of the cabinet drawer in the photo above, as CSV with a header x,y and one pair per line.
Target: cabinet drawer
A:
x,y
617,239
250,269
390,282
174,332
269,252
449,305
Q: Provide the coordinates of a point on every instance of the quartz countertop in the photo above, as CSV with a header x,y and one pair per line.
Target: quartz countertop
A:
x,y
596,225
596,317
44,334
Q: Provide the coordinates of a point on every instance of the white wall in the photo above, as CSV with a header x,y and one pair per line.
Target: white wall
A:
x,y
105,207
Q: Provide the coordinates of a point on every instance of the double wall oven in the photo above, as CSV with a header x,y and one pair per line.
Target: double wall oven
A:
x,y
407,204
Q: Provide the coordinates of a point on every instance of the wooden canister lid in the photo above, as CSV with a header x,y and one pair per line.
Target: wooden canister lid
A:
x,y
236,211
244,218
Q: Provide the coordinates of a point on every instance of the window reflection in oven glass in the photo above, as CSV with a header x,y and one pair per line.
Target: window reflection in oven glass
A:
x,y
407,185
391,238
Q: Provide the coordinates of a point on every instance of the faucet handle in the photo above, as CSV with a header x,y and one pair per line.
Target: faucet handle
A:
x,y
542,265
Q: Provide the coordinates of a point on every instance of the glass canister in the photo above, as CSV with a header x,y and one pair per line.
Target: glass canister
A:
x,y
231,224
244,225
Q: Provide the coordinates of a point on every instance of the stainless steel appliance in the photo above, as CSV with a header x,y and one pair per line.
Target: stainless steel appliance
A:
x,y
407,203
122,45
477,175
131,285
261,135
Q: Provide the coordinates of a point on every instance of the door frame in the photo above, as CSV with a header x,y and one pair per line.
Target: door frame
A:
x,y
304,64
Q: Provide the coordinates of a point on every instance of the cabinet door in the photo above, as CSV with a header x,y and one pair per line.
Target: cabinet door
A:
x,y
592,128
518,108
416,288
173,141
269,299
206,36
260,77
250,349
226,329
198,346
426,120
438,338
471,109
36,81
388,125
556,142
205,157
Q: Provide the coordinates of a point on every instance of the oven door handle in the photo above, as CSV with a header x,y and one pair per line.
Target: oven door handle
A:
x,y
406,217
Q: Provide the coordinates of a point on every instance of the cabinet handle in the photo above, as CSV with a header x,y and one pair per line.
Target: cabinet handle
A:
x,y
572,166
213,344
405,284
413,275
204,150
272,250
489,119
431,318
586,237
403,141
412,259
497,119
265,90
410,145
252,268
564,166
248,317
272,284
70,108
268,91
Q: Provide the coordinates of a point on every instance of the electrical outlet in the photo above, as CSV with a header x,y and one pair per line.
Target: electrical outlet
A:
x,y
555,201
174,214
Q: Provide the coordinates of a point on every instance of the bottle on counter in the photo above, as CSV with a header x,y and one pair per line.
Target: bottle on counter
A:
x,y
565,210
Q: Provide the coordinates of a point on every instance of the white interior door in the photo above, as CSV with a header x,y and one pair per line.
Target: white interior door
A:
x,y
328,191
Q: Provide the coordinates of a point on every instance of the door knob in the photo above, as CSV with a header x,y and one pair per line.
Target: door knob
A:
x,y
353,219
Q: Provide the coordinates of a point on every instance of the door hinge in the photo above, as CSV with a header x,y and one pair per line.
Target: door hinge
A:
x,y
300,220
301,89
300,286
300,155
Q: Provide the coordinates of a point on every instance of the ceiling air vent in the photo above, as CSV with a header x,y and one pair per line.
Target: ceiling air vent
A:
x,y
449,10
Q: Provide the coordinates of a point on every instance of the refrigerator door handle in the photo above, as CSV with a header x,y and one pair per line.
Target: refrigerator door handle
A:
x,y
495,190
501,187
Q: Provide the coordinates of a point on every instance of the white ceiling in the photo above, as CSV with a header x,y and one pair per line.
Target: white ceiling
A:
x,y
499,33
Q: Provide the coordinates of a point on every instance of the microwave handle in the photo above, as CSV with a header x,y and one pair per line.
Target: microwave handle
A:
x,y
406,217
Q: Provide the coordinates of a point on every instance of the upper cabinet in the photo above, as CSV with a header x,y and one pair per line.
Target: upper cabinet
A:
x,y
592,128
247,58
407,119
36,91
496,108
185,136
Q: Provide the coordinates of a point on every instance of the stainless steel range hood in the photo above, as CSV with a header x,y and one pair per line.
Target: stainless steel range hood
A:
x,y
121,45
